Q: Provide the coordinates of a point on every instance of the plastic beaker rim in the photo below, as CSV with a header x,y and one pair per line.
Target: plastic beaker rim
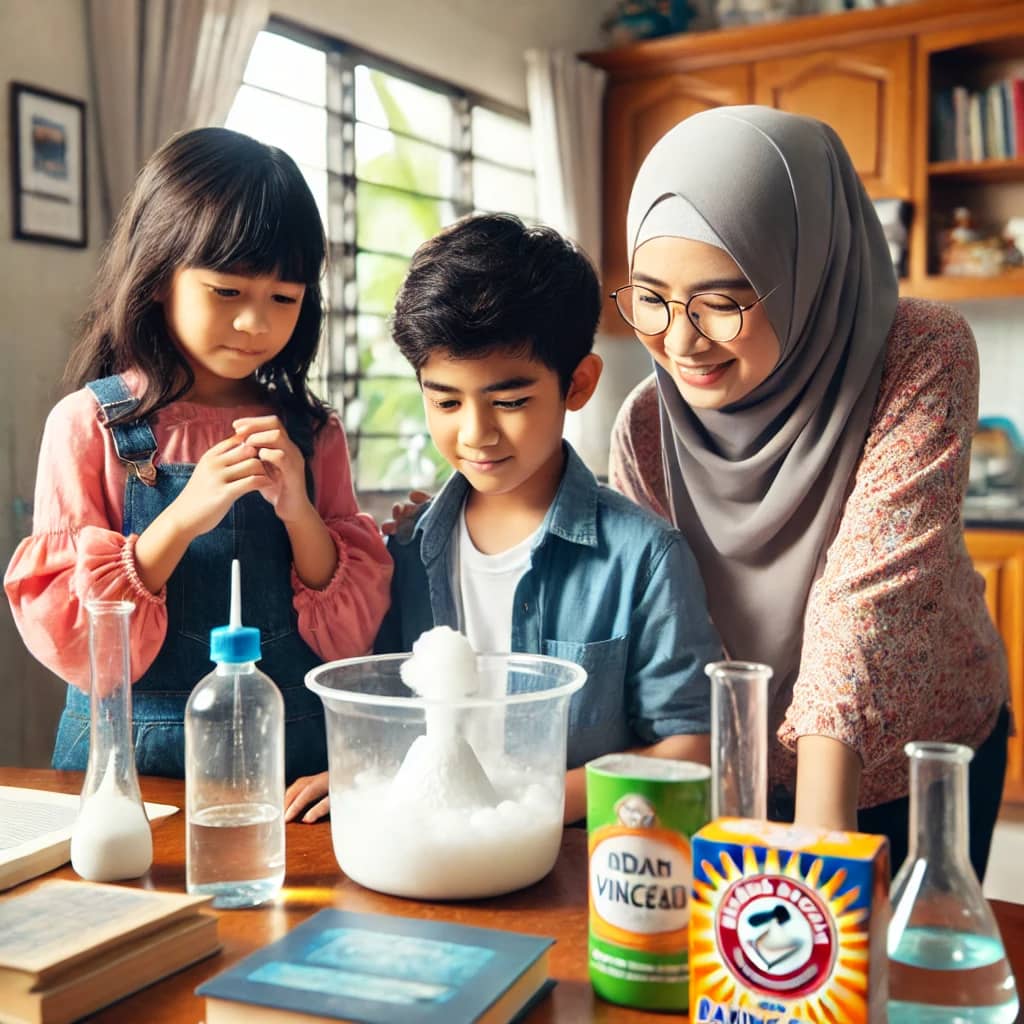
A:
x,y
483,661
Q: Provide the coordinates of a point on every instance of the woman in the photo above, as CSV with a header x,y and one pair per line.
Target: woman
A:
x,y
810,433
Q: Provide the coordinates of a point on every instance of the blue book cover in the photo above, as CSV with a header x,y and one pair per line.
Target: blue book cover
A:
x,y
376,969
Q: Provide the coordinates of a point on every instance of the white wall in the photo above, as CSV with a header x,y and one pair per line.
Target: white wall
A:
x,y
42,292
999,328
477,44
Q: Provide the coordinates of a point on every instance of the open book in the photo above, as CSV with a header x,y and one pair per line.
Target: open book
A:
x,y
35,831
68,948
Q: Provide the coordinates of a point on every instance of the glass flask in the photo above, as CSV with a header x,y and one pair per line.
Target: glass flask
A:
x,y
739,739
111,838
234,772
946,957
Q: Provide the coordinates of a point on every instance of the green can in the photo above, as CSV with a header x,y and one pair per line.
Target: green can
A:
x,y
641,814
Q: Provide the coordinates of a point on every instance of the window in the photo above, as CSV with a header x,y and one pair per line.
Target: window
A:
x,y
391,157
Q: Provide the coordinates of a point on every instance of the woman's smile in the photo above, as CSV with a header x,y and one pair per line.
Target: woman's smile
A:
x,y
702,376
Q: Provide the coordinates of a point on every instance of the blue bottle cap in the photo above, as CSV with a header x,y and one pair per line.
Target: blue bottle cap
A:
x,y
234,645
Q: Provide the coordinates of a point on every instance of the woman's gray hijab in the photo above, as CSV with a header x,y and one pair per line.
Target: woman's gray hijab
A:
x,y
758,487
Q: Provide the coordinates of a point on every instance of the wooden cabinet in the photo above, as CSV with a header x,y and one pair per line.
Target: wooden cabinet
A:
x,y
871,74
861,91
999,556
637,114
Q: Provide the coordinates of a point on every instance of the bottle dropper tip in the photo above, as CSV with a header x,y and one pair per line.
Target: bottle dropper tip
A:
x,y
235,619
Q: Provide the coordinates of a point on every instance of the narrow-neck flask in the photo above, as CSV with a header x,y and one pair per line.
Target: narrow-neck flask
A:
x,y
234,773
947,962
111,838
739,739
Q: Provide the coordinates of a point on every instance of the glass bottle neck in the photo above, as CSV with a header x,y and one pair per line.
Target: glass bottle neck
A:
x,y
111,750
938,808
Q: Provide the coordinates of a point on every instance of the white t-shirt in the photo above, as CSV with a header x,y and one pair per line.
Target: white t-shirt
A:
x,y
486,587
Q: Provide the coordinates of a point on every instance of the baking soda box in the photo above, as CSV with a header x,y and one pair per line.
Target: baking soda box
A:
x,y
788,924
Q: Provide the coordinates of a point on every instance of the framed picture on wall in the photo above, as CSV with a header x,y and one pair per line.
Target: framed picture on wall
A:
x,y
48,167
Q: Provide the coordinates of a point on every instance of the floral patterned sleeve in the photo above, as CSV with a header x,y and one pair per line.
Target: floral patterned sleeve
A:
x,y
898,644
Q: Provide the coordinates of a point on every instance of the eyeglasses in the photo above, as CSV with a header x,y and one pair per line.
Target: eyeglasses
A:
x,y
717,317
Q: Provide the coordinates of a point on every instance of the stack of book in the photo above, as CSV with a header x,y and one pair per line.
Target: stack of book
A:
x,y
69,948
985,124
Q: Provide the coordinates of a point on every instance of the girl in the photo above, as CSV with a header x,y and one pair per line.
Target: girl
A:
x,y
195,440
809,432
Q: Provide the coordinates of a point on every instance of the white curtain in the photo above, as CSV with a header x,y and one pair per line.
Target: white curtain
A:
x,y
565,97
162,66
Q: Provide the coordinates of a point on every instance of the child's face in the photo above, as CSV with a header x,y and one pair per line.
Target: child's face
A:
x,y
228,325
498,420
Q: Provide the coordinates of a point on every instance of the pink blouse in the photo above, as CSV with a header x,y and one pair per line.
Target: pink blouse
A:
x,y
898,643
77,550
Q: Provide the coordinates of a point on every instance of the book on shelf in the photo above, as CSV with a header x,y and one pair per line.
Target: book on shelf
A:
x,y
961,109
68,948
995,126
37,831
377,969
982,125
1017,91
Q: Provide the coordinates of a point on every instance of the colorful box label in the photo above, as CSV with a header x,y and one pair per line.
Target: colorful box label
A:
x,y
787,924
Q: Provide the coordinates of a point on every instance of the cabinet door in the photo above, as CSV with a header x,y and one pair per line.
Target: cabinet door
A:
x,y
999,558
862,92
637,114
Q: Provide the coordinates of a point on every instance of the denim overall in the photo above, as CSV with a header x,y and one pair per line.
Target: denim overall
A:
x,y
197,600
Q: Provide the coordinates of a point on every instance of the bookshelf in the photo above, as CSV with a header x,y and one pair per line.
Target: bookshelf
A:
x,y
872,74
973,57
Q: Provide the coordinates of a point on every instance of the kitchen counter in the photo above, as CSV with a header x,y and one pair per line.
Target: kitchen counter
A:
x,y
994,512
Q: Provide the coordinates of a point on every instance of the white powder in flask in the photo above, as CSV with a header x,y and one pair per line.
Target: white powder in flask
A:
x,y
111,839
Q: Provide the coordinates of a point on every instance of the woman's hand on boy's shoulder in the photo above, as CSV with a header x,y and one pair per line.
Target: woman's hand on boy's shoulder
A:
x,y
307,793
404,513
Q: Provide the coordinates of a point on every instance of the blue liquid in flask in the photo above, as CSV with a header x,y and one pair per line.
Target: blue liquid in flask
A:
x,y
947,962
952,977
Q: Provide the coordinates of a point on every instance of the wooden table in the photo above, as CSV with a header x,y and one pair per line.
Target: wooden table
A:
x,y
554,907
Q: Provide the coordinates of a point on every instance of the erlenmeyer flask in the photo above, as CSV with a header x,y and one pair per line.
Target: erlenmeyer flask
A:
x,y
739,739
111,837
946,958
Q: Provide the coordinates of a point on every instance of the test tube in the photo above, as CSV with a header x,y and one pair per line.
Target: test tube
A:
x,y
739,739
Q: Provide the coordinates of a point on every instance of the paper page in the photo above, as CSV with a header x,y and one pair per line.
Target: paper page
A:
x,y
35,830
60,920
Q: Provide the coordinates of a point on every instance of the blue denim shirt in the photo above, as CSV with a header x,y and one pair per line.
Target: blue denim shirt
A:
x,y
610,586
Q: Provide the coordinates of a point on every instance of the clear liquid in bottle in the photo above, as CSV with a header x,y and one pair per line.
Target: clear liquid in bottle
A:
x,y
234,773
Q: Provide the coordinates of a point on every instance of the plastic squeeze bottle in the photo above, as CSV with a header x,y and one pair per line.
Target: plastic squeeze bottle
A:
x,y
234,771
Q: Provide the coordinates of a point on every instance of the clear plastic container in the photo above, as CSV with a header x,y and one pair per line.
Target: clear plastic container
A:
x,y
111,838
946,957
483,816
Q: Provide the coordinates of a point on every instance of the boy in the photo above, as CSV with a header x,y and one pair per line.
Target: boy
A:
x,y
522,550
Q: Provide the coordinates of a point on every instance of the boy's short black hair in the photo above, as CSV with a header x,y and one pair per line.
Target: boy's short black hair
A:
x,y
490,282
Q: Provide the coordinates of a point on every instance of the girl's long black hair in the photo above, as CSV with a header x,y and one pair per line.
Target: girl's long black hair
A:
x,y
219,200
